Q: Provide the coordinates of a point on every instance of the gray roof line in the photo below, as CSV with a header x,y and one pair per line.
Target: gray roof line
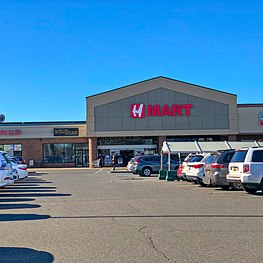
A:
x,y
160,77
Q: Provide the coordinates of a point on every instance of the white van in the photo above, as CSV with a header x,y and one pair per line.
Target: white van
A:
x,y
246,167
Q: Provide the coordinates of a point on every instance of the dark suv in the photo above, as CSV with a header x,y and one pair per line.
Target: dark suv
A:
x,y
216,170
151,164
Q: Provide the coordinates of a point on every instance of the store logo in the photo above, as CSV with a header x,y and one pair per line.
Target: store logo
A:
x,y
260,118
137,111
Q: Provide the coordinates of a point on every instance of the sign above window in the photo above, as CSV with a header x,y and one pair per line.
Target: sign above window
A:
x,y
10,132
66,131
140,110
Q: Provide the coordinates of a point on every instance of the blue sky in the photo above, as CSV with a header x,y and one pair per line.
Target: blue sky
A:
x,y
55,53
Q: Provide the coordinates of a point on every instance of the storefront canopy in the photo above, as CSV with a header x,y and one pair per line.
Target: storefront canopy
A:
x,y
195,147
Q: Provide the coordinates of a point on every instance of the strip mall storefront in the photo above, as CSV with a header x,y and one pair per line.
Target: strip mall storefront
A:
x,y
135,120
48,144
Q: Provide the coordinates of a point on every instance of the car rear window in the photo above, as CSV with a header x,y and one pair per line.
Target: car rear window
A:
x,y
239,157
197,158
227,158
189,158
205,158
257,156
211,158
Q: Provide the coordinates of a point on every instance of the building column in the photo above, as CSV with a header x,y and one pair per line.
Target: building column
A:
x,y
160,141
92,150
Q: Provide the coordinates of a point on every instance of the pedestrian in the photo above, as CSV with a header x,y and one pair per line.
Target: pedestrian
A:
x,y
100,162
113,162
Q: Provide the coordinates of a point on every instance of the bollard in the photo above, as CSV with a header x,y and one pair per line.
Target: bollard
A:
x,y
162,174
171,175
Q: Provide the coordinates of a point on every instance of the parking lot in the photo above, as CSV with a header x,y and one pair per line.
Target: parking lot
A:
x,y
92,215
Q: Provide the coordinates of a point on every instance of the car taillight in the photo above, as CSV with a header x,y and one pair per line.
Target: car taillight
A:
x,y
136,162
217,166
7,178
245,168
198,166
22,168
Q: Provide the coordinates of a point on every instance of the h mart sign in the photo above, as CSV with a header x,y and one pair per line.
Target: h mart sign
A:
x,y
141,110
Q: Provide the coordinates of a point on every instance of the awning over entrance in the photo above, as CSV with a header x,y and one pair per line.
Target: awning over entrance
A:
x,y
194,147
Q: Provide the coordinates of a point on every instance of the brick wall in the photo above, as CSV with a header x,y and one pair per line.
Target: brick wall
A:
x,y
32,149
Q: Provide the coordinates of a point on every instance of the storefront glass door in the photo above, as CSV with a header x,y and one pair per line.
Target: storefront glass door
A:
x,y
81,158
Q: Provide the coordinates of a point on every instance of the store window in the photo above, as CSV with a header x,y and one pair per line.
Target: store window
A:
x,y
63,152
13,150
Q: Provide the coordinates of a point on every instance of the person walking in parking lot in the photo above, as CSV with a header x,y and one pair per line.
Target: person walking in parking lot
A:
x,y
113,162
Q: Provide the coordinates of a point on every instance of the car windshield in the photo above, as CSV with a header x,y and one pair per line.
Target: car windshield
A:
x,y
239,157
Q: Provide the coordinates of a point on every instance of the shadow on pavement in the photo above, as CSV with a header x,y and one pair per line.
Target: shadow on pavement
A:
x,y
17,200
34,182
24,255
18,187
35,174
7,190
22,217
32,195
18,206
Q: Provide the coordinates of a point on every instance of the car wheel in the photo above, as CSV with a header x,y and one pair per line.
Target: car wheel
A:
x,y
16,174
236,186
146,171
250,190
225,187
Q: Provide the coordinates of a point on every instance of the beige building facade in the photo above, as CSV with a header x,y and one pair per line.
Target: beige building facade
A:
x,y
134,120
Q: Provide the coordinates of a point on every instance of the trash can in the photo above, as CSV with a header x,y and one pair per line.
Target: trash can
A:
x,y
31,163
162,174
171,175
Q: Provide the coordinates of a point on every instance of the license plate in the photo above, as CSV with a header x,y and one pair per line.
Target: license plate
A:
x,y
234,169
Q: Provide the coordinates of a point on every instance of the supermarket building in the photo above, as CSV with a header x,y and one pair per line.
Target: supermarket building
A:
x,y
132,120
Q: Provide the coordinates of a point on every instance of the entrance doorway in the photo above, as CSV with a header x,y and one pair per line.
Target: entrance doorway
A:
x,y
81,158
126,156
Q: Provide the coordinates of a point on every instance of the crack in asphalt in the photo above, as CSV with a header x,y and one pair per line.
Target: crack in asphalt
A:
x,y
152,244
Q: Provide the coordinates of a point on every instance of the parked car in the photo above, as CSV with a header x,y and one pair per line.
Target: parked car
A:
x,y
19,170
5,170
181,172
130,164
195,168
246,167
18,159
146,165
217,171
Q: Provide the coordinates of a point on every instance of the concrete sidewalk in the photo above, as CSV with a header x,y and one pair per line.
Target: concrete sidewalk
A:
x,y
117,169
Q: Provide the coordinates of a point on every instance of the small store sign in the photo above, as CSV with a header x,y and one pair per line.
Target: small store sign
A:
x,y
141,110
66,131
10,132
260,118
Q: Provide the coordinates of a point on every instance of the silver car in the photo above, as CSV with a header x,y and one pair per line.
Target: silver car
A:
x,y
216,170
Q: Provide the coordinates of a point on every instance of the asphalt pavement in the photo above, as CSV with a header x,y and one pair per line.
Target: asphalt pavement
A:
x,y
92,215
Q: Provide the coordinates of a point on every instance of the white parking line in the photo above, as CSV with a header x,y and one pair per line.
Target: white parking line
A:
x,y
99,171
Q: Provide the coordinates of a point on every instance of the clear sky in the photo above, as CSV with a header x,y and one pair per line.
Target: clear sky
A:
x,y
55,53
